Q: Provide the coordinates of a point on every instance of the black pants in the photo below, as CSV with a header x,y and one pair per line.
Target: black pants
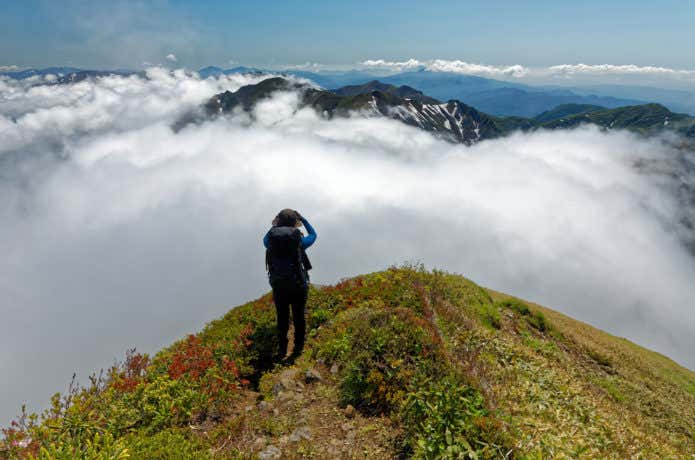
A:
x,y
296,298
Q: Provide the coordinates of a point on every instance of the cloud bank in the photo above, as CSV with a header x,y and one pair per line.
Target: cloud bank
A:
x,y
456,66
118,232
562,71
607,69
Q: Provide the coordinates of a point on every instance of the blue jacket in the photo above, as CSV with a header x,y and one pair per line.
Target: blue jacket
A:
x,y
306,240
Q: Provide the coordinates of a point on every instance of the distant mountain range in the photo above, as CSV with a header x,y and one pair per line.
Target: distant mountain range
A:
x,y
212,71
66,74
27,73
74,77
674,99
453,120
495,97
329,80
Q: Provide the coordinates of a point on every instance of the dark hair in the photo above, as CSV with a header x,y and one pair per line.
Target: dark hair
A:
x,y
286,218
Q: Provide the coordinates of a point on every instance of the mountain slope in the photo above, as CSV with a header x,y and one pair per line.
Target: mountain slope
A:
x,y
646,119
566,110
496,97
452,121
448,85
529,103
675,99
405,92
401,362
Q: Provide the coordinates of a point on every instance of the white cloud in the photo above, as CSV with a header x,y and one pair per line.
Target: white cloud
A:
x,y
310,66
610,69
519,71
171,57
9,68
443,65
396,65
117,232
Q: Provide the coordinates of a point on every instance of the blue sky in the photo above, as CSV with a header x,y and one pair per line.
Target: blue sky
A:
x,y
533,32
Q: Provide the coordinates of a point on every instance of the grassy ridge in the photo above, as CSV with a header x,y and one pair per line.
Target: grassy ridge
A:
x,y
645,119
566,110
403,362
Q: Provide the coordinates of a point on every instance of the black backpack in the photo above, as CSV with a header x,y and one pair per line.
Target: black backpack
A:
x,y
285,259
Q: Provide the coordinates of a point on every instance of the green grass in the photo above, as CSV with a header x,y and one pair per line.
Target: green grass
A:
x,y
437,367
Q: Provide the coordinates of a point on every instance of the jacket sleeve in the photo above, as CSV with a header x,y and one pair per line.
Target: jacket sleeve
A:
x,y
311,237
265,240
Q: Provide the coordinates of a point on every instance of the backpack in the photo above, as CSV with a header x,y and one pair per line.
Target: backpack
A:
x,y
285,259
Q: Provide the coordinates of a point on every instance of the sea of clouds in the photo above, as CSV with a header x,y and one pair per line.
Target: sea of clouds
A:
x,y
117,231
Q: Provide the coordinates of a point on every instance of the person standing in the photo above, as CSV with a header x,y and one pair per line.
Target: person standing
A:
x,y
288,273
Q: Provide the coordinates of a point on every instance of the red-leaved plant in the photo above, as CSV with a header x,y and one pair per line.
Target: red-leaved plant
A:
x,y
126,376
196,361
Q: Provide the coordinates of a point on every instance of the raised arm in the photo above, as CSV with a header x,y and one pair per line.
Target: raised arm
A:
x,y
311,237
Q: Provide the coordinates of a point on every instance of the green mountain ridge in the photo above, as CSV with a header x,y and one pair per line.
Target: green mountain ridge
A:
x,y
403,91
566,110
453,121
645,118
403,363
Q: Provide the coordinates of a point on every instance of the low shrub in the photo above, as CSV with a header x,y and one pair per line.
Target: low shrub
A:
x,y
99,447
490,316
136,396
130,373
534,318
178,444
381,351
446,419
215,375
161,403
246,334
611,388
600,358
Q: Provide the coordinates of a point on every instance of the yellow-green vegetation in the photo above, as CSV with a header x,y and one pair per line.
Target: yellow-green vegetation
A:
x,y
401,363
